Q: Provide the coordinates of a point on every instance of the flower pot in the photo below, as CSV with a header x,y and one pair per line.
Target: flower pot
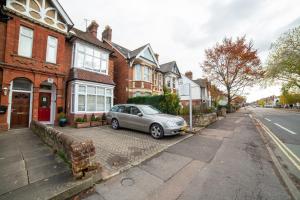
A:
x,y
95,123
82,124
62,122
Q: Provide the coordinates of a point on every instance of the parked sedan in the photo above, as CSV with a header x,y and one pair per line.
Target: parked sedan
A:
x,y
145,118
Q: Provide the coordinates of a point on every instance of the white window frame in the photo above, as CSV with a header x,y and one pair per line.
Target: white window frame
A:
x,y
21,35
49,45
76,93
104,58
138,72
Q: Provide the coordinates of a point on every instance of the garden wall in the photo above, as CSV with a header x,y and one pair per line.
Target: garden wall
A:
x,y
202,120
80,155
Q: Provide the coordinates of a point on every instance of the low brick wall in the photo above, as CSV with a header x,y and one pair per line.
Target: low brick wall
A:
x,y
80,155
202,120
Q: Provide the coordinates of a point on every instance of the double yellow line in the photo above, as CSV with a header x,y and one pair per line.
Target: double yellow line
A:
x,y
289,154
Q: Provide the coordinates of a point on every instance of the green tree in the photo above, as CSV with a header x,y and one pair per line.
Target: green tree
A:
x,y
284,60
261,103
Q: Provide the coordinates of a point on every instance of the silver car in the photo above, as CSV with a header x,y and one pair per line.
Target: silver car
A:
x,y
145,118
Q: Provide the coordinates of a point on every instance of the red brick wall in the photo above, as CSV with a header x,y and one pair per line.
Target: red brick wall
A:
x,y
122,75
35,69
2,40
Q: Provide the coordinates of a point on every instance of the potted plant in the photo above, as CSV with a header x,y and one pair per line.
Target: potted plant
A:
x,y
104,122
62,120
82,122
95,121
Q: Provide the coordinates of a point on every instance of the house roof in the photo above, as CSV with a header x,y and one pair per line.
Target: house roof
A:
x,y
201,82
128,53
80,74
63,13
168,67
88,37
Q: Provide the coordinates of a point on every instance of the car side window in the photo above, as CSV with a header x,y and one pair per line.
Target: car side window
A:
x,y
121,109
114,109
127,110
134,110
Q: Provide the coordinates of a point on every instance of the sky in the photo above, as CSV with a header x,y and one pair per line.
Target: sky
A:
x,y
181,30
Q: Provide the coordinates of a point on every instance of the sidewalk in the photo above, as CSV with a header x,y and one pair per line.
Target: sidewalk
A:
x,y
228,160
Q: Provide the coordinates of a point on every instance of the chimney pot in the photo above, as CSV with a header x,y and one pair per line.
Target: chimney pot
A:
x,y
107,33
189,74
93,28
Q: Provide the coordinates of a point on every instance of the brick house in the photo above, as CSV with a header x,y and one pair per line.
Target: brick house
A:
x,y
136,72
32,72
90,82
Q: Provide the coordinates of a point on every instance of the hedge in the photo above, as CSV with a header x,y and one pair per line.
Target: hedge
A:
x,y
167,103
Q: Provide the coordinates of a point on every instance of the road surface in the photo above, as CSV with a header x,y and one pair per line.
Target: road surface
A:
x,y
284,124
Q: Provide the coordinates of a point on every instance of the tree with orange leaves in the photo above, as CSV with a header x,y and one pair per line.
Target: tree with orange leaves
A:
x,y
232,65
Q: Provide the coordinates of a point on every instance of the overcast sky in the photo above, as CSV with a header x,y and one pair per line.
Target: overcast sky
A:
x,y
182,29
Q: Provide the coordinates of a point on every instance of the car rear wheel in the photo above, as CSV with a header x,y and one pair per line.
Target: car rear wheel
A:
x,y
115,124
156,131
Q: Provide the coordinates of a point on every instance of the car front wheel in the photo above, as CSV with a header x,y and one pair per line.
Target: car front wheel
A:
x,y
115,124
156,131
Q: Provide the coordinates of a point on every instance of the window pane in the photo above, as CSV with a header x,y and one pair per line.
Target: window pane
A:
x,y
100,91
146,74
89,51
80,60
81,102
108,103
103,66
91,103
91,90
51,49
25,42
100,103
73,103
97,53
88,62
80,47
138,72
22,84
96,64
108,92
81,89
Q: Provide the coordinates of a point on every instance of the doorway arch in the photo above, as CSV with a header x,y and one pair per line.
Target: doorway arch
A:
x,y
20,103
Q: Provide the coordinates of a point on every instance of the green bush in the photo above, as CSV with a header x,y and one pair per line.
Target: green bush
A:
x,y
167,103
93,118
79,119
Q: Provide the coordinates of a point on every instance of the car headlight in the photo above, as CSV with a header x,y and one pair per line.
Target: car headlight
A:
x,y
171,124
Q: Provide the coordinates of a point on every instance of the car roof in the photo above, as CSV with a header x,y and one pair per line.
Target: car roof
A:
x,y
131,104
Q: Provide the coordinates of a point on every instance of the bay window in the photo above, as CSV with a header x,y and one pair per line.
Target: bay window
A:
x,y
90,58
91,98
25,42
138,72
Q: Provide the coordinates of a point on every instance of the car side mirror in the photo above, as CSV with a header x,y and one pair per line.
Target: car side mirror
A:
x,y
140,114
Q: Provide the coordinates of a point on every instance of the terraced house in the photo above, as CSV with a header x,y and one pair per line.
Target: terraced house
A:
x,y
32,72
47,66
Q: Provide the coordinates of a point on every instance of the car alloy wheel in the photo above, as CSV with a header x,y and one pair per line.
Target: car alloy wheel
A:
x,y
115,124
156,131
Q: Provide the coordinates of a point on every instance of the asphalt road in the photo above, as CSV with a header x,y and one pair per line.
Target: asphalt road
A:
x,y
284,124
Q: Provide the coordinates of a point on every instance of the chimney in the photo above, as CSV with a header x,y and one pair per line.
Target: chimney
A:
x,y
189,74
156,56
107,33
93,28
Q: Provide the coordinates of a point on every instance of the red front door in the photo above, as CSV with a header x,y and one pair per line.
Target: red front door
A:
x,y
44,107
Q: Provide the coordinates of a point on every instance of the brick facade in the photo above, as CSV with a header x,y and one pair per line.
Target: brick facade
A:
x,y
35,69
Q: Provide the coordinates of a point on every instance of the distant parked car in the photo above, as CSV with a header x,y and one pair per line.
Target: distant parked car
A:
x,y
145,118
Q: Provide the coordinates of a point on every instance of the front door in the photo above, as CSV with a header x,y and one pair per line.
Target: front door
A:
x,y
20,110
44,107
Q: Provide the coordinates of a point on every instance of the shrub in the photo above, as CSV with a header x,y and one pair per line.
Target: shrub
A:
x,y
93,118
104,117
79,120
167,103
85,118
61,115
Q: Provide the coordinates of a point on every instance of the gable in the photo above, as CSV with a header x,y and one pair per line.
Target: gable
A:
x,y
148,55
44,11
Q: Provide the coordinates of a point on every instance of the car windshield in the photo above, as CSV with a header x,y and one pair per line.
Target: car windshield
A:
x,y
149,110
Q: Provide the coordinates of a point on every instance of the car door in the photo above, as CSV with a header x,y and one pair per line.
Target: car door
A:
x,y
123,116
138,122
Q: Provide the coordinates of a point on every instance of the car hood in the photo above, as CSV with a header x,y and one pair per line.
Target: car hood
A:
x,y
167,117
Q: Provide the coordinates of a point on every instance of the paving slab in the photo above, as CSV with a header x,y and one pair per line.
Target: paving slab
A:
x,y
133,184
197,147
42,161
165,165
13,181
